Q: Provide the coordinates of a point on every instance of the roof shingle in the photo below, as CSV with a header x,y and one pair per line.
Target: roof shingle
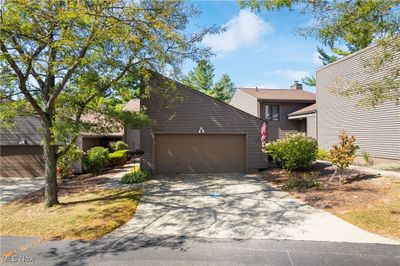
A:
x,y
306,110
280,94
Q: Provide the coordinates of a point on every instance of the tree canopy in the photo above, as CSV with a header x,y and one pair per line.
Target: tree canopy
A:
x,y
201,78
348,26
64,59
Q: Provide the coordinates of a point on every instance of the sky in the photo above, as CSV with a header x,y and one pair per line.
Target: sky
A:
x,y
257,49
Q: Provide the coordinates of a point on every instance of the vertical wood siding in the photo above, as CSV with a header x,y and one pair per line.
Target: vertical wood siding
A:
x,y
377,130
132,138
192,111
312,126
245,102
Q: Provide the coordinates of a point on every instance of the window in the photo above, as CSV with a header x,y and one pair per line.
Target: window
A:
x,y
272,112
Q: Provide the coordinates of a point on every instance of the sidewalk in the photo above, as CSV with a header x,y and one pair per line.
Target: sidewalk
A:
x,y
367,170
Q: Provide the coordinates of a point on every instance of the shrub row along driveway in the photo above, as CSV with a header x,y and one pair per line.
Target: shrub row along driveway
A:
x,y
234,206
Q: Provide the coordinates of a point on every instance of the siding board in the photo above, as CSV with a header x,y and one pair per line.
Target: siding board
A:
x,y
245,102
377,130
192,111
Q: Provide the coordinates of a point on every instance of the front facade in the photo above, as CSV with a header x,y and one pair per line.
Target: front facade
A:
x,y
377,130
21,152
275,106
194,133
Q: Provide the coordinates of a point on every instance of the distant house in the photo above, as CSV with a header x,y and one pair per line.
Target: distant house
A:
x,y
377,130
194,133
286,110
21,153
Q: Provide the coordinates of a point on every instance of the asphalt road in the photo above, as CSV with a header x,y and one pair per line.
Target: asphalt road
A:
x,y
164,250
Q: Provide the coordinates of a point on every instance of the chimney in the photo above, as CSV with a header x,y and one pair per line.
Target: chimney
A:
x,y
296,86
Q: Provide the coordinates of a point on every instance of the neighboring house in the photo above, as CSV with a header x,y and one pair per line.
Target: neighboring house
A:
x,y
277,107
132,136
377,130
194,133
21,154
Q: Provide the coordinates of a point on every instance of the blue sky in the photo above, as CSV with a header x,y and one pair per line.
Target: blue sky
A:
x,y
257,49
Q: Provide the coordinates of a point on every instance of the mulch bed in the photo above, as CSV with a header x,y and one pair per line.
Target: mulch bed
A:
x,y
359,189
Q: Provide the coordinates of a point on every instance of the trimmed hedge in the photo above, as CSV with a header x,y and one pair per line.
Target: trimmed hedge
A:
x,y
118,157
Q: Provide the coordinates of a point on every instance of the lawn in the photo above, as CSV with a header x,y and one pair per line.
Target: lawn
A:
x,y
83,215
369,202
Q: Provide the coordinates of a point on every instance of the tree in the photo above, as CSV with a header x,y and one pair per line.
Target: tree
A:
x,y
356,24
325,59
224,89
201,77
343,154
64,59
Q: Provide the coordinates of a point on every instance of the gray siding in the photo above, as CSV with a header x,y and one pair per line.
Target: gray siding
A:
x,y
377,130
192,111
245,102
279,129
132,139
311,126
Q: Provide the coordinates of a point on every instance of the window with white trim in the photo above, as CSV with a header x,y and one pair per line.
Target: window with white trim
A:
x,y
272,112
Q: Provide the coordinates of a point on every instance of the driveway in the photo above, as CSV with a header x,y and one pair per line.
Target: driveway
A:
x,y
234,206
15,187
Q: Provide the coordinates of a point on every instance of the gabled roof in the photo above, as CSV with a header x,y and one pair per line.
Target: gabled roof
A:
x,y
160,77
306,110
26,131
132,106
280,94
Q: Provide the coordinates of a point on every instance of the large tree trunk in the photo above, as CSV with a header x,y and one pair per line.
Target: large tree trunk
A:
x,y
50,170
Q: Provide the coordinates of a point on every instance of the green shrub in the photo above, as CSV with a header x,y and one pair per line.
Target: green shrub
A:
x,y
138,152
295,152
118,157
367,158
135,176
95,159
119,145
323,155
302,180
66,161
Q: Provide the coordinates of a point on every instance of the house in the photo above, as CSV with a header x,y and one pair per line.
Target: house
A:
x,y
378,129
194,133
278,107
21,153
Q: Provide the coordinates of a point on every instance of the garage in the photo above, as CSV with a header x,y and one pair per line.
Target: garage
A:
x,y
200,153
21,161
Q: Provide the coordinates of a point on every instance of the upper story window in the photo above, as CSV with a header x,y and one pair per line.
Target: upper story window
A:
x,y
272,112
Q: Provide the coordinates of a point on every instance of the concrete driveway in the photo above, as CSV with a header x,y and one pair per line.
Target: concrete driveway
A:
x,y
234,206
15,187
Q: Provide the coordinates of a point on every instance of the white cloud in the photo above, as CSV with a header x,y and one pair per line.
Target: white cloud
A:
x,y
244,30
289,74
316,59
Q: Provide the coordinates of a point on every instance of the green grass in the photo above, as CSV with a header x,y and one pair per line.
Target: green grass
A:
x,y
117,154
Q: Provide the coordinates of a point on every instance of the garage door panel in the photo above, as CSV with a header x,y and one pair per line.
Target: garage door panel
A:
x,y
200,153
21,161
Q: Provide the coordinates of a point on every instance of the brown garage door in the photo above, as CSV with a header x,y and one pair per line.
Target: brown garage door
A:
x,y
21,161
200,153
